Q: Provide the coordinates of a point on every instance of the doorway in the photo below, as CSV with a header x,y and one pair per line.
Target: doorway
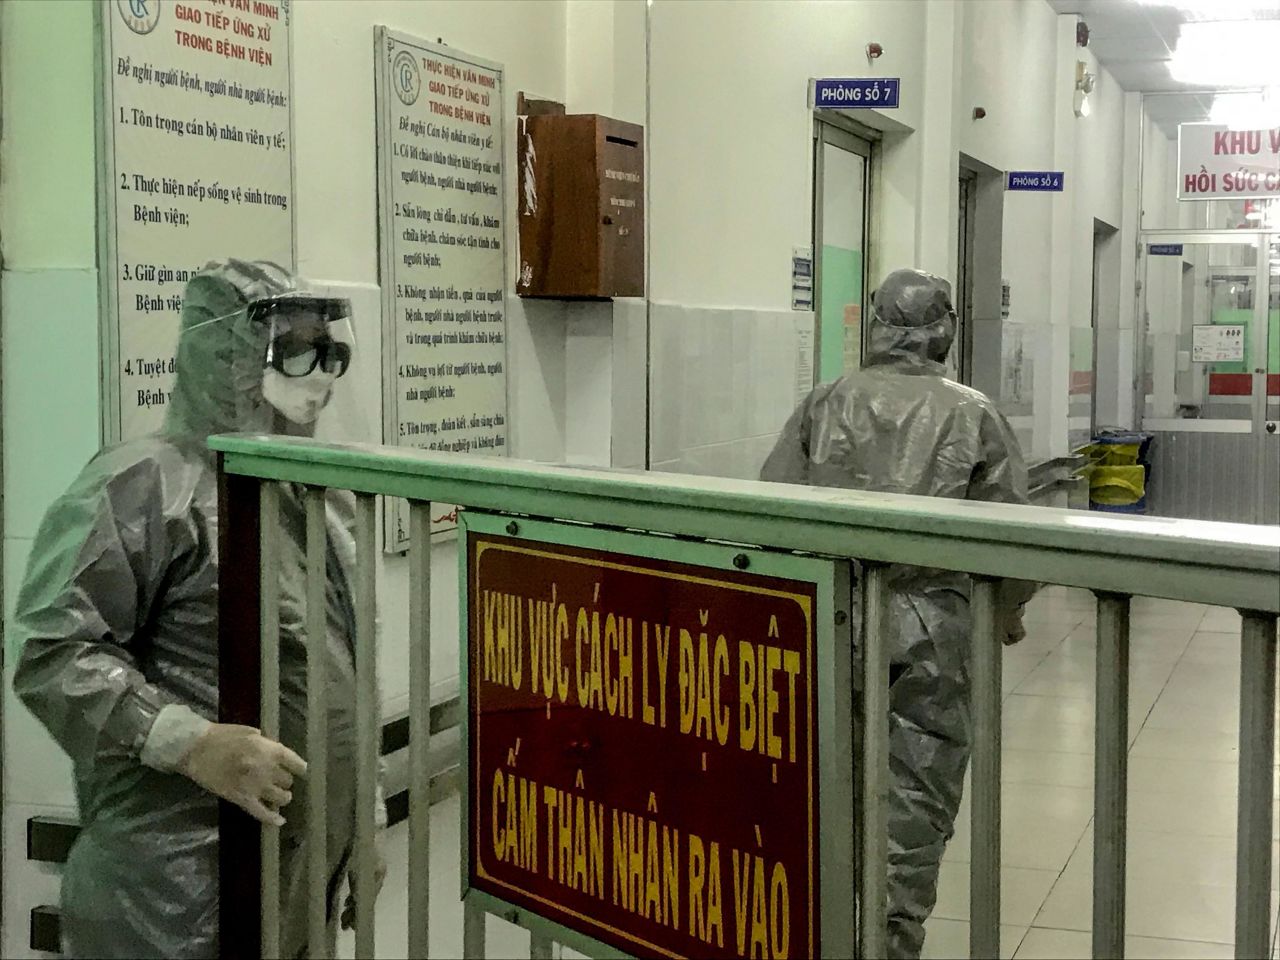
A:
x,y
980,352
1208,385
1093,370
841,206
960,360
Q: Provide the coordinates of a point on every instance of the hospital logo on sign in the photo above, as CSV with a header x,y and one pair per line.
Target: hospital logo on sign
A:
x,y
406,78
140,16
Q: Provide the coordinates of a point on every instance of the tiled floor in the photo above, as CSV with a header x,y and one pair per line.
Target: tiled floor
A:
x,y
1184,708
1184,693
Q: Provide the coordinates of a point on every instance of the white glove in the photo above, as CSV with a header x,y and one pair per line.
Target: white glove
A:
x,y
239,764
1012,629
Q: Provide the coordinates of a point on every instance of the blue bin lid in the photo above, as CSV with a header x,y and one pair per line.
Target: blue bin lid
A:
x,y
1118,436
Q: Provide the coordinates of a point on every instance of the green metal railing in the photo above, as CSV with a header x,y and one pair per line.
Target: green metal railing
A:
x,y
1114,556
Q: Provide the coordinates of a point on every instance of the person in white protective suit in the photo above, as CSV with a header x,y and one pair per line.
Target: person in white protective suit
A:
x,y
900,426
118,633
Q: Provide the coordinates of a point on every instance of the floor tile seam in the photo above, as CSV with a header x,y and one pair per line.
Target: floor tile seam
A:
x,y
1150,710
1021,940
1039,663
1143,936
1200,622
1057,880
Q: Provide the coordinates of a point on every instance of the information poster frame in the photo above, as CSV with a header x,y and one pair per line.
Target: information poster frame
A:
x,y
156,18
399,88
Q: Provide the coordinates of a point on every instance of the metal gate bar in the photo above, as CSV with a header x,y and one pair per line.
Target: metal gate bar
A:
x,y
875,760
1257,772
984,852
1224,565
1110,775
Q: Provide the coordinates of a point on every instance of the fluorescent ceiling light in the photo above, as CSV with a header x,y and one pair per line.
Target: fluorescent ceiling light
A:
x,y
1229,53
1216,9
1247,111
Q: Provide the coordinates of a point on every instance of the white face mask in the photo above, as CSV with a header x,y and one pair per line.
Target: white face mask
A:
x,y
298,399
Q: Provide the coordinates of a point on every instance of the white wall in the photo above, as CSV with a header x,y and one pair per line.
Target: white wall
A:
x,y
1162,280
606,344
1008,55
337,229
730,137
731,193
1099,181
1019,64
49,308
731,183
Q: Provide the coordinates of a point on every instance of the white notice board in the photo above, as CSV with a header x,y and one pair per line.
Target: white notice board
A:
x,y
197,123
1217,343
1219,161
443,263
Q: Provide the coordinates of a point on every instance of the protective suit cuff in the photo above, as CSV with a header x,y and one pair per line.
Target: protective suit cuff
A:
x,y
176,729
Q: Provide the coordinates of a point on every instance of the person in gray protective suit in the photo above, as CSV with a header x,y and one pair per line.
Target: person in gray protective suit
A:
x,y
899,426
117,624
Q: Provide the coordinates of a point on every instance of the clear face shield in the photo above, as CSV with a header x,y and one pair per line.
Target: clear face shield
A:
x,y
310,345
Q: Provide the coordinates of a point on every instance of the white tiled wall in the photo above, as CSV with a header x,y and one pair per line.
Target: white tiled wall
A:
x,y
630,373
50,432
34,884
588,362
536,378
723,384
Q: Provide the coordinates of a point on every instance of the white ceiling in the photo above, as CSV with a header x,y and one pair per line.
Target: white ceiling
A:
x,y
1135,41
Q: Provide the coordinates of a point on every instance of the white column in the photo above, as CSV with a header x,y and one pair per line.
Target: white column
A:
x,y
588,400
1120,401
1055,353
938,195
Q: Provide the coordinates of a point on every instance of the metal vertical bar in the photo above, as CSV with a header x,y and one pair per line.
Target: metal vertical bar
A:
x,y
367,732
269,554
984,854
875,760
419,727
1259,333
239,701
317,727
473,920
1257,759
1110,775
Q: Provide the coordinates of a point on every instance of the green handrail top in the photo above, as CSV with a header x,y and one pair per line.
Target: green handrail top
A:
x,y
1222,563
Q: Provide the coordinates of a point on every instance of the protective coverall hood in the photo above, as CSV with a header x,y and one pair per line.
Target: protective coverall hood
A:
x,y
220,351
912,320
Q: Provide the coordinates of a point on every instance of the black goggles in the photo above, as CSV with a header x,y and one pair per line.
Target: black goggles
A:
x,y
302,333
297,357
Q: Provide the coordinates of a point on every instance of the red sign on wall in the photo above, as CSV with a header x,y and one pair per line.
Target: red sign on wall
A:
x,y
643,749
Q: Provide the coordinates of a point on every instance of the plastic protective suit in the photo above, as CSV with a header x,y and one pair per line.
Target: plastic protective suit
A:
x,y
899,426
117,619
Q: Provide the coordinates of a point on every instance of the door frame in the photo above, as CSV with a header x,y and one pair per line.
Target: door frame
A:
x,y
851,137
966,255
1104,289
1261,241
